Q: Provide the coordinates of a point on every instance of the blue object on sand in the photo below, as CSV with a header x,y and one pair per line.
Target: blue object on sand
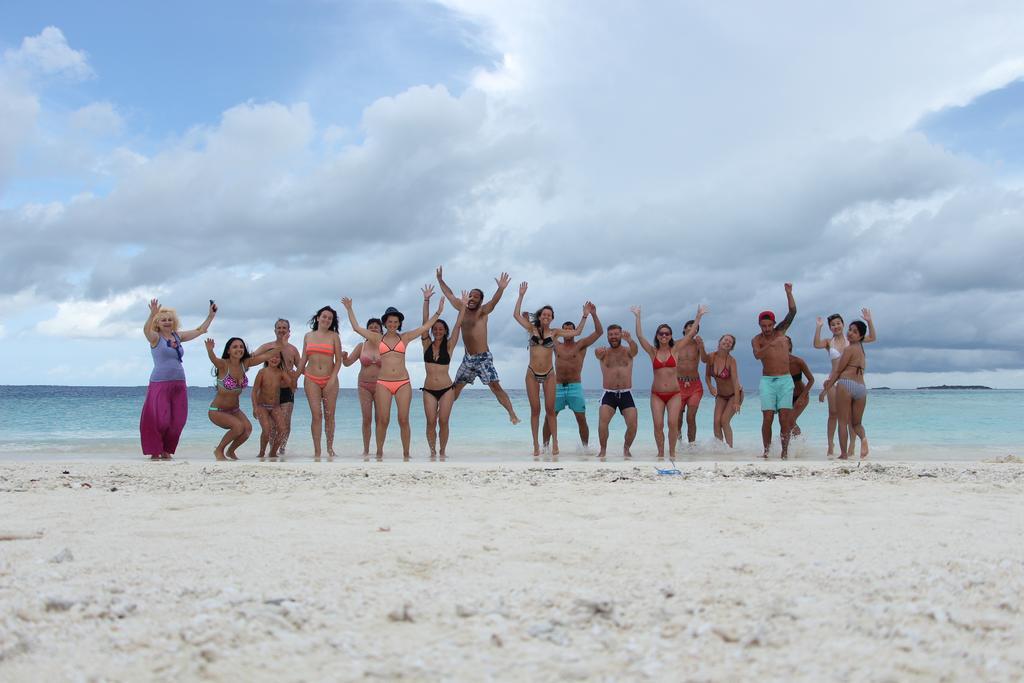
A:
x,y
671,471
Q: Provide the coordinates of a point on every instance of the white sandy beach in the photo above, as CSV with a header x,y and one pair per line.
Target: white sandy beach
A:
x,y
824,571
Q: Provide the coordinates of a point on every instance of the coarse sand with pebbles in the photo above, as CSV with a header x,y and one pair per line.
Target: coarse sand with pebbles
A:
x,y
517,572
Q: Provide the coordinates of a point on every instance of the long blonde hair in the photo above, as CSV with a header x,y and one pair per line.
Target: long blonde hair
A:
x,y
174,314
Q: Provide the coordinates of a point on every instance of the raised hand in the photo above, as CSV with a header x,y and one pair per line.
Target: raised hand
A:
x,y
702,310
635,310
440,306
439,273
593,308
789,287
522,288
866,314
428,291
819,321
464,297
503,280
346,302
209,343
627,336
154,306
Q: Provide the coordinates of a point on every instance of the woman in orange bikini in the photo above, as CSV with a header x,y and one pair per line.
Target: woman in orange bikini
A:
x,y
320,363
369,369
727,390
665,396
393,380
542,364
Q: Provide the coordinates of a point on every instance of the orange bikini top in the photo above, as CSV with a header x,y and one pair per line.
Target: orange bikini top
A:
x,y
397,348
317,347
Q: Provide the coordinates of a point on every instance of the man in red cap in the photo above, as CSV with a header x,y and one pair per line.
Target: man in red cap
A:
x,y
776,388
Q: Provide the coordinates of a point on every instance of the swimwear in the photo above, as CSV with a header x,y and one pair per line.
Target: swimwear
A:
x,y
317,347
690,389
833,353
393,385
231,385
477,365
268,406
540,377
546,342
286,395
229,411
776,392
367,361
665,396
723,373
368,386
570,394
618,399
442,357
670,362
397,348
438,393
856,390
318,380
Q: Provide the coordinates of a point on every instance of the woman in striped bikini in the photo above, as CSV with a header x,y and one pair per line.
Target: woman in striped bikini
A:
x,y
835,347
851,394
393,381
320,363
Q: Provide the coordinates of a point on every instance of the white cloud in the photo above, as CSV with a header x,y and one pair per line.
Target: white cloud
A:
x,y
97,118
93,319
49,53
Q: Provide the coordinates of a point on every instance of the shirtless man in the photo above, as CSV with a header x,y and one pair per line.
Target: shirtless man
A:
x,y
617,377
776,389
690,353
569,357
291,355
478,361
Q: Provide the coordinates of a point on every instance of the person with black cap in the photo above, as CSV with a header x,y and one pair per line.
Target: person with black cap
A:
x,y
393,380
776,388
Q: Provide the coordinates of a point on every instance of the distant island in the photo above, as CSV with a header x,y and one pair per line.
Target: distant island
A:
x,y
881,388
947,387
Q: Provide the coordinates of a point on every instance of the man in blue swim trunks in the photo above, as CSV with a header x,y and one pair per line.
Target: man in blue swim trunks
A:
x,y
569,357
478,361
776,388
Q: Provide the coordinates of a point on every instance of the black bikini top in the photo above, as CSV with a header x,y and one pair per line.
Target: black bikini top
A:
x,y
443,358
546,342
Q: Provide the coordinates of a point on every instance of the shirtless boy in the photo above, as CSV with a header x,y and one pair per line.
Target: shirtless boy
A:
x,y
478,361
569,357
617,378
291,355
776,389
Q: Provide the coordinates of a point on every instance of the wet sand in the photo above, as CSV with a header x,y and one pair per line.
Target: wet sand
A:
x,y
416,571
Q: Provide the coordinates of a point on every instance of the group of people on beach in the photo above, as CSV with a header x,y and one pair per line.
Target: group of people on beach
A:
x,y
553,376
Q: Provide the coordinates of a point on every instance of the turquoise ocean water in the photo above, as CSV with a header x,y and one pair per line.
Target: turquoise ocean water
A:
x,y
89,423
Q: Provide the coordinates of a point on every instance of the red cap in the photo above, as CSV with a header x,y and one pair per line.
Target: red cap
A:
x,y
766,314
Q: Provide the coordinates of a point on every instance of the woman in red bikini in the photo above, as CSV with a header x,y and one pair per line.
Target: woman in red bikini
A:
x,y
369,369
393,380
320,363
726,388
665,390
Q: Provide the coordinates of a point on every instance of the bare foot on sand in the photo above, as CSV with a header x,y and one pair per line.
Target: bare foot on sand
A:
x,y
218,454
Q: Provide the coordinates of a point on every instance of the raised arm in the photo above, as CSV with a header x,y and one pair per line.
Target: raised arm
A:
x,y
819,343
688,337
412,334
791,314
356,327
502,281
147,329
428,291
445,289
453,337
640,333
189,335
218,363
633,349
871,326
598,327
517,314
258,358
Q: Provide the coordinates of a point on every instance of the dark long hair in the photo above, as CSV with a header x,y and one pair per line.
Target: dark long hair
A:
x,y
535,318
224,354
671,341
315,324
861,327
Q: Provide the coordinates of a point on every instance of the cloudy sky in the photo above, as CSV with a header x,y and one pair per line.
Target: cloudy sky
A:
x,y
275,156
